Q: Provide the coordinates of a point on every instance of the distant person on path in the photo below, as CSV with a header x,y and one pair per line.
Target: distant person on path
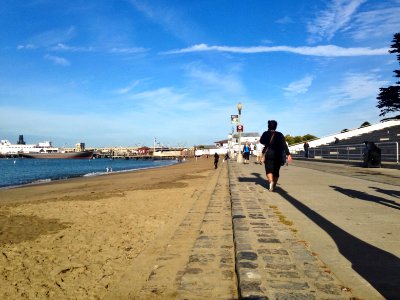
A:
x,y
372,155
259,148
275,144
216,159
246,153
226,156
306,146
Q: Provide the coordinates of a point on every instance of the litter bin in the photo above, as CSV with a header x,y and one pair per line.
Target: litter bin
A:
x,y
372,155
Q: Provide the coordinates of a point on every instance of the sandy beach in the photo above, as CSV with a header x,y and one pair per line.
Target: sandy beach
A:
x,y
76,239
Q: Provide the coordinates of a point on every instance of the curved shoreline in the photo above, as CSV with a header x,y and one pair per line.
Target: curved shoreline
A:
x,y
91,174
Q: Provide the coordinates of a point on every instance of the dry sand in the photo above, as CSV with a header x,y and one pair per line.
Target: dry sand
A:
x,y
75,239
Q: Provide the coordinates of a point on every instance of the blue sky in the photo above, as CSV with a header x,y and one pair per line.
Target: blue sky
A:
x,y
121,72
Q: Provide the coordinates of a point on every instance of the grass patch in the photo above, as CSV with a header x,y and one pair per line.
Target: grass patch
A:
x,y
285,221
281,217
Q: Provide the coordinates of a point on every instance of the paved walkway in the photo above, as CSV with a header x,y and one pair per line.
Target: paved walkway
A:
x,y
328,232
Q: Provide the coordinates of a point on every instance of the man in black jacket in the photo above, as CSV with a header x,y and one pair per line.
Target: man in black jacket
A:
x,y
216,159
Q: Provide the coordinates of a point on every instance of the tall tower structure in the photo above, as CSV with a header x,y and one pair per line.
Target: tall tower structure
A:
x,y
21,140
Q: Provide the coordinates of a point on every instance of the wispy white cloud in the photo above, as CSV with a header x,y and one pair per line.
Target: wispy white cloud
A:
x,y
299,87
127,89
132,50
161,99
114,50
26,47
227,82
324,51
61,47
375,23
336,17
285,20
353,88
57,60
52,37
170,19
64,47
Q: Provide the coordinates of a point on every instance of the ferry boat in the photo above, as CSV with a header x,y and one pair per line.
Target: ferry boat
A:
x,y
42,150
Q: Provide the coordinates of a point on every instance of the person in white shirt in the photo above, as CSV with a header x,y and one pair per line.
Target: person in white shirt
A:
x,y
259,147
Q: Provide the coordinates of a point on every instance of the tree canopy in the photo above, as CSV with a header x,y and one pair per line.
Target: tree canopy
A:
x,y
365,124
389,97
291,140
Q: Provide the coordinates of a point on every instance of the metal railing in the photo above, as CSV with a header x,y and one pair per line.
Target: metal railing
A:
x,y
389,152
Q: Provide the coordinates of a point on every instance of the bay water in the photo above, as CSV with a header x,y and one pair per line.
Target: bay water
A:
x,y
21,171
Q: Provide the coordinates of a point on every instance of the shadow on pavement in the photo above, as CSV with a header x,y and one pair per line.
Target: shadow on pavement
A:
x,y
380,268
257,179
392,193
367,197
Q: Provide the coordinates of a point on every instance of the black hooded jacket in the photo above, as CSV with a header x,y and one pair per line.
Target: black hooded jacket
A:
x,y
275,146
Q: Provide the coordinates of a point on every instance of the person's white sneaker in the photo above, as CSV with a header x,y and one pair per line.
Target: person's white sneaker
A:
x,y
271,186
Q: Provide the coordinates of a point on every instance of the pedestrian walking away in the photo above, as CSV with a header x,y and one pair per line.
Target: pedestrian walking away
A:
x,y
259,148
246,153
274,147
216,159
226,156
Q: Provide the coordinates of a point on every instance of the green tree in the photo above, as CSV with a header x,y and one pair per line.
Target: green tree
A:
x,y
389,97
297,139
289,139
309,137
365,124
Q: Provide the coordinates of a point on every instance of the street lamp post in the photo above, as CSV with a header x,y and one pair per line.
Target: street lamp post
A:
x,y
239,156
232,151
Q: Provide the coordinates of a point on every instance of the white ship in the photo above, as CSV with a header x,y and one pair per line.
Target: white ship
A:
x,y
42,150
7,148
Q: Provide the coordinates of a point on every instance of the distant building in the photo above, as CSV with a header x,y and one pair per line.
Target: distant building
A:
x,y
223,146
251,137
221,143
211,150
143,150
80,147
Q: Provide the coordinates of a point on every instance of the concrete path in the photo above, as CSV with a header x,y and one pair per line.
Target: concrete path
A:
x,y
328,232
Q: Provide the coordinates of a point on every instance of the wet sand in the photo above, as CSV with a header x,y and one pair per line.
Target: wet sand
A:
x,y
74,239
